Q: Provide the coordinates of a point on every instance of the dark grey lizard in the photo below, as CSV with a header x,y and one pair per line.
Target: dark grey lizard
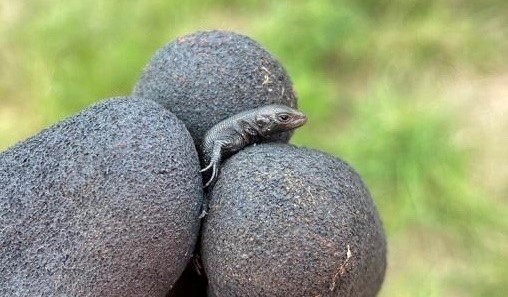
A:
x,y
251,126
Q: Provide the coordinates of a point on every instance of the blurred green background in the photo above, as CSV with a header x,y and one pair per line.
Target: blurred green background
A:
x,y
412,93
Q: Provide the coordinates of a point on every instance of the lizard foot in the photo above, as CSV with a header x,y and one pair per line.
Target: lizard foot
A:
x,y
207,167
215,173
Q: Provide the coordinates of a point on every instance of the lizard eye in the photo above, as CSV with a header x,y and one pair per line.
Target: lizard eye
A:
x,y
283,117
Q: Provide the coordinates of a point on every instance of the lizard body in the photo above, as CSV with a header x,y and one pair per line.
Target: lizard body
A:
x,y
234,133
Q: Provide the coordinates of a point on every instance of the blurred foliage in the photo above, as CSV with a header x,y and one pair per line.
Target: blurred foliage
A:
x,y
373,76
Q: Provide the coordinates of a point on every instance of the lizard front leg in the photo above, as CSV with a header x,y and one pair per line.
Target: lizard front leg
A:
x,y
215,159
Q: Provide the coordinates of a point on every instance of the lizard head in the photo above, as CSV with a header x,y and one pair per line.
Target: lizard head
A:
x,y
271,119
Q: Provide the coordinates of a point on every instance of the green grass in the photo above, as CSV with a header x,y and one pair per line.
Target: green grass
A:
x,y
375,78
